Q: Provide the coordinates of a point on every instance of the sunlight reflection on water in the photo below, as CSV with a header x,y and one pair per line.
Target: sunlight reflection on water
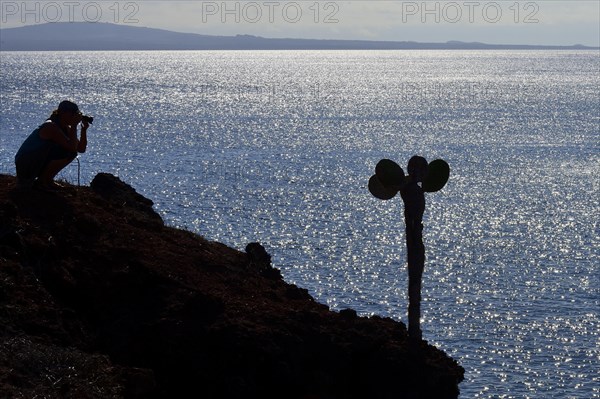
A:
x,y
278,147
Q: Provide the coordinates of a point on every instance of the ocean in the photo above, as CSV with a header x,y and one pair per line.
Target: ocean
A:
x,y
278,147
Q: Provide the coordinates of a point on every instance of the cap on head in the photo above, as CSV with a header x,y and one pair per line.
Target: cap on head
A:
x,y
68,106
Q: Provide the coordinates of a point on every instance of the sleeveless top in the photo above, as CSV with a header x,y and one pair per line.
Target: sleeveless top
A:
x,y
34,143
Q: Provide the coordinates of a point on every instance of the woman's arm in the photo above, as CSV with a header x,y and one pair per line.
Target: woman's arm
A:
x,y
82,144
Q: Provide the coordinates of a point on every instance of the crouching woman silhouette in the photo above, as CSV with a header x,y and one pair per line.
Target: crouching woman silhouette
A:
x,y
51,147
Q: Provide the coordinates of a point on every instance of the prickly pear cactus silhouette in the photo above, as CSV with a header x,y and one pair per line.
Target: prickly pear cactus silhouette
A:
x,y
388,180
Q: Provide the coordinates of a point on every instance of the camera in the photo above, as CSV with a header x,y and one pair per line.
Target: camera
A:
x,y
88,119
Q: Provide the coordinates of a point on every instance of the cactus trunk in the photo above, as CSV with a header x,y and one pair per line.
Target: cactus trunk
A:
x,y
414,207
416,264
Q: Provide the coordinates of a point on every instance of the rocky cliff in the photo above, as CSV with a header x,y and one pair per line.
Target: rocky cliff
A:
x,y
99,299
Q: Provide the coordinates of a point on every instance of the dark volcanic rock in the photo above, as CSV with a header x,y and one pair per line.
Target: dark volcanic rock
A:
x,y
98,299
115,190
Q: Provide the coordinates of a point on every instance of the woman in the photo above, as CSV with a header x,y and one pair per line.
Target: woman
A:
x,y
51,147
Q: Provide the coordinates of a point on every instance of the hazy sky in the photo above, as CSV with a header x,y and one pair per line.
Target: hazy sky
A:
x,y
561,22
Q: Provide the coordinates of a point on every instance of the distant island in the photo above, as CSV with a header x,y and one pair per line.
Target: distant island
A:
x,y
85,36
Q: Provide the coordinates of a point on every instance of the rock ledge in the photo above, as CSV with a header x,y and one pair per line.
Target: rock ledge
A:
x,y
99,299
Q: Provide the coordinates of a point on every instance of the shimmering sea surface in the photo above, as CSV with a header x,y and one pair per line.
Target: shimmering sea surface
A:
x,y
278,147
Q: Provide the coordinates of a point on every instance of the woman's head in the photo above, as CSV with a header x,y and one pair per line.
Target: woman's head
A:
x,y
67,113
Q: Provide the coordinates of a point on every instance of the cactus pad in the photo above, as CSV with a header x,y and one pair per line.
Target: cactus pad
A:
x,y
379,190
437,176
390,174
